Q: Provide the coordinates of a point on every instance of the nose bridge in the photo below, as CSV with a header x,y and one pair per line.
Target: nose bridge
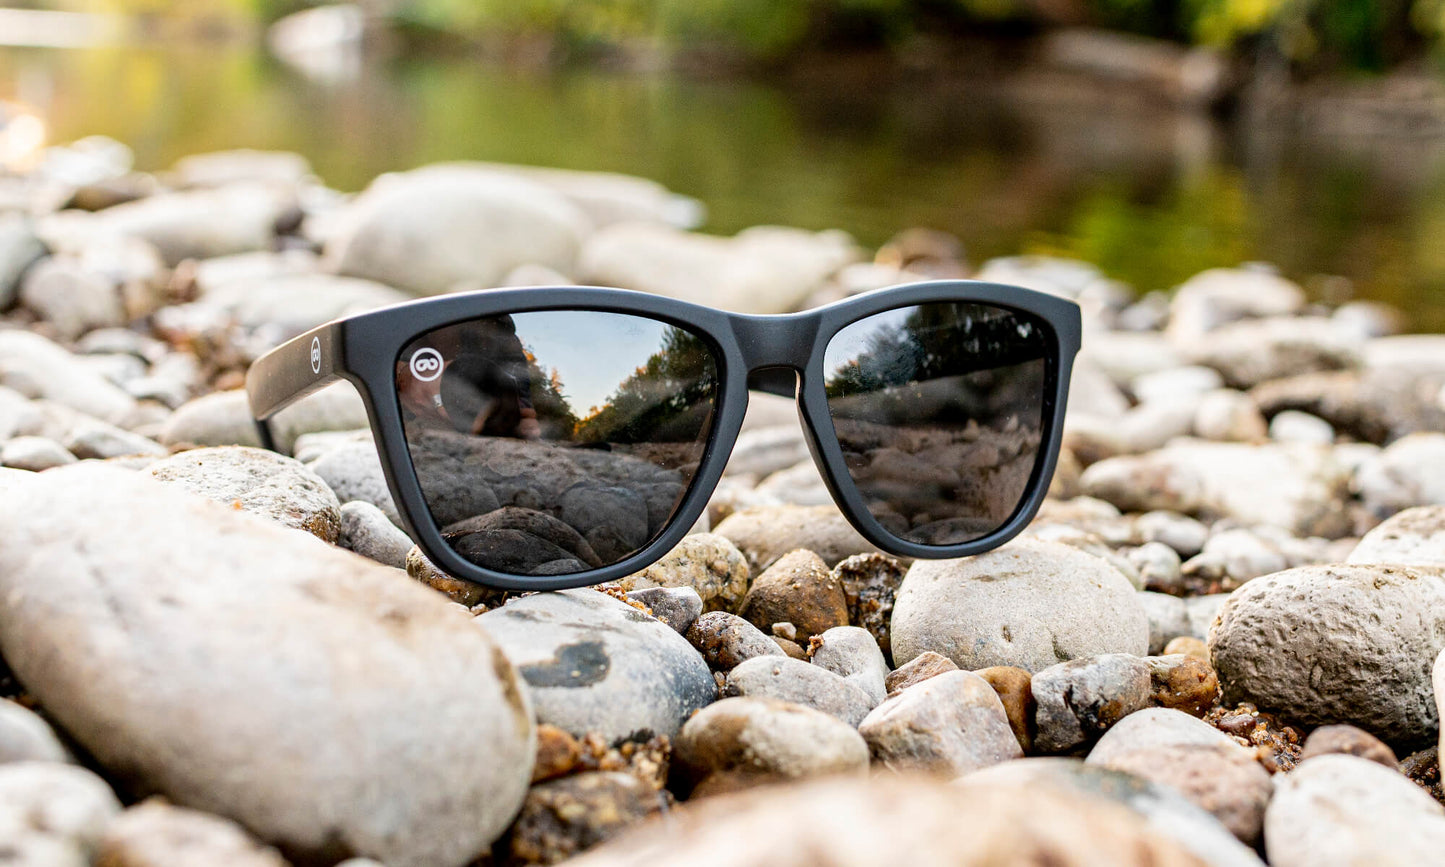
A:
x,y
775,341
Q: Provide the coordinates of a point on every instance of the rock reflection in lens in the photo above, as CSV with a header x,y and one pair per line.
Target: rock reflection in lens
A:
x,y
554,442
939,410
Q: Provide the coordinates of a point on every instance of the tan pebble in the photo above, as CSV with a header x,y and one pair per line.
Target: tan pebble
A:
x,y
1189,646
1013,688
1348,740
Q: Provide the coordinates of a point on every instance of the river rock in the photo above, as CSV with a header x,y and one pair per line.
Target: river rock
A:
x,y
766,533
1168,618
1015,689
36,367
353,470
34,454
92,439
1180,532
53,815
798,589
763,451
25,737
1350,741
1318,643
318,672
725,640
710,564
1293,486
1213,298
918,669
678,607
70,297
609,198
855,823
1184,681
1249,353
224,418
949,725
1415,536
19,249
1334,811
870,585
1204,764
223,168
851,652
1029,604
366,530
1406,473
598,665
429,230
1227,415
764,739
199,224
764,269
799,682
157,834
258,481
298,302
1081,699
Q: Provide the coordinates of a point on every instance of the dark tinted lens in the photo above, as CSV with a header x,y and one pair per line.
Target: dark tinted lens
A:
x,y
939,410
554,442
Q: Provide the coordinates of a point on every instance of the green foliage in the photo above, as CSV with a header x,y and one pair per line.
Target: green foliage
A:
x,y
667,399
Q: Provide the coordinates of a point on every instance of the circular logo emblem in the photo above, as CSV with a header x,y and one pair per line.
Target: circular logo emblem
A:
x,y
426,364
316,355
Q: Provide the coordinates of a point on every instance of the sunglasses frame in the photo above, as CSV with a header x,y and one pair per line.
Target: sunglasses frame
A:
x,y
364,349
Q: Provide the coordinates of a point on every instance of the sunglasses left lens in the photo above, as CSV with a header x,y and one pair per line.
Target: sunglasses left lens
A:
x,y
555,442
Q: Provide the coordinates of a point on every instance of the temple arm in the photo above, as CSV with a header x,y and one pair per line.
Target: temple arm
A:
x,y
291,371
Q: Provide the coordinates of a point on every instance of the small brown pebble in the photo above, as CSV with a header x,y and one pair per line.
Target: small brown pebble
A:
x,y
785,630
561,818
791,648
1184,683
923,666
648,761
1238,724
1277,745
1013,688
797,589
1348,740
1189,646
557,753
455,589
1424,768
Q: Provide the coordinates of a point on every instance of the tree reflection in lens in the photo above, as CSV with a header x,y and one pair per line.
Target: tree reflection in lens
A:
x,y
548,443
938,409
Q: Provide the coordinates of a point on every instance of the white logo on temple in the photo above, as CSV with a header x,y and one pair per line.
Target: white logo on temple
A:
x,y
316,355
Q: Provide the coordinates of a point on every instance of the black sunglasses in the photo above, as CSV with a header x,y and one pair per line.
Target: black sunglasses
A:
x,y
544,438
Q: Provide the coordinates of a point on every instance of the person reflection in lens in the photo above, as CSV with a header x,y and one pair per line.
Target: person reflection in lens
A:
x,y
484,388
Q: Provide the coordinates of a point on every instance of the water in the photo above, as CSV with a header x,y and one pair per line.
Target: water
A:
x,y
1149,194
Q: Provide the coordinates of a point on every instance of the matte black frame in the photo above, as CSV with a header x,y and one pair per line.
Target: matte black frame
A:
x,y
364,350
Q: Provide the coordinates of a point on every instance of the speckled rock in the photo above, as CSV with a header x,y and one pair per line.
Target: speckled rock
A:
x,y
797,589
564,817
596,664
710,564
247,622
1292,486
1204,764
1081,699
766,533
924,823
157,834
767,740
725,640
1003,608
1415,536
1015,689
1160,809
1350,741
353,471
852,652
870,584
948,725
678,607
1342,811
917,670
25,737
53,815
1331,644
366,530
1183,682
258,481
799,682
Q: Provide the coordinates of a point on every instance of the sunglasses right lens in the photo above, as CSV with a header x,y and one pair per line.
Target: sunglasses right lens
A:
x,y
939,411
555,442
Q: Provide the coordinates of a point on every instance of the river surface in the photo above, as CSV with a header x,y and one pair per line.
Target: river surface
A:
x,y
1149,193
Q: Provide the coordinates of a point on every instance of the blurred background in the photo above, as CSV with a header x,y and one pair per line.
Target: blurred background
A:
x,y
1153,138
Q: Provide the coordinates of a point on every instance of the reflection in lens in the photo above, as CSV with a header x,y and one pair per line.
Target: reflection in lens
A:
x,y
554,442
939,410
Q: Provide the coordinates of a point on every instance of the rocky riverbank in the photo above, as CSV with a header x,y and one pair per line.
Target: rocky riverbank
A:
x,y
1213,646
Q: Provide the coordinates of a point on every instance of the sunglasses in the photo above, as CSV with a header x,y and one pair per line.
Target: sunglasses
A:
x,y
545,438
